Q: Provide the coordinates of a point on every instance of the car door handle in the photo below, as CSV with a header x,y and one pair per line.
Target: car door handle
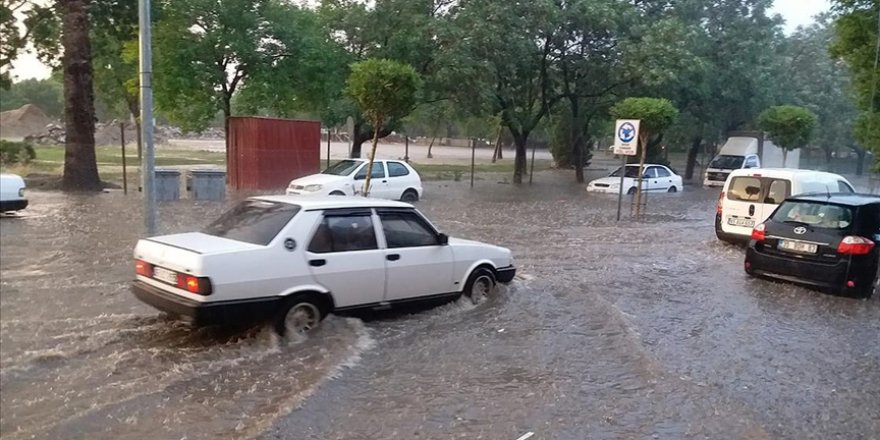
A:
x,y
392,257
317,263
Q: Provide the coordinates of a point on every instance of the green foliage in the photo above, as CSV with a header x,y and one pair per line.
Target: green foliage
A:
x,y
383,89
16,152
788,126
41,26
655,114
561,141
47,94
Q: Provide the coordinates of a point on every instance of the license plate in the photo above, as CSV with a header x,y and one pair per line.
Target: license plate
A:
x,y
165,275
798,246
745,222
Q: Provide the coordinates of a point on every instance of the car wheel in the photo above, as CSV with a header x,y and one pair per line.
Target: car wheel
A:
x,y
631,191
480,285
300,315
337,193
673,189
409,196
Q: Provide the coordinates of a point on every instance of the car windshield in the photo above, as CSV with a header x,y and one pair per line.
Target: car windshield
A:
x,y
631,171
253,221
726,162
820,215
342,168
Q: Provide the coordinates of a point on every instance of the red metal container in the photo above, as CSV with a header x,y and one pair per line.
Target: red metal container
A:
x,y
267,153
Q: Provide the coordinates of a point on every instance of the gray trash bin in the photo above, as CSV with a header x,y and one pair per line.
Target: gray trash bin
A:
x,y
167,185
208,184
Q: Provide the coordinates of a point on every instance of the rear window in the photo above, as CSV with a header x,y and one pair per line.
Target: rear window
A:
x,y
820,215
253,221
745,189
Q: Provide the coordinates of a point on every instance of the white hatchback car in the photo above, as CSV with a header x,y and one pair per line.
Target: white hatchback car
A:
x,y
392,179
657,178
12,193
294,260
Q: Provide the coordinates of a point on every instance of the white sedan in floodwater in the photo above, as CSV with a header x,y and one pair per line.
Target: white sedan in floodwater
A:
x,y
657,178
293,260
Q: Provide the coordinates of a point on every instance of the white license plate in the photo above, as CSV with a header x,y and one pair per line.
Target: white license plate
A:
x,y
165,275
744,222
798,246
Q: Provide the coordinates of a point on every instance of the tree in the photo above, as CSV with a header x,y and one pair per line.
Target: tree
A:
x,y
788,126
40,27
857,42
384,90
656,115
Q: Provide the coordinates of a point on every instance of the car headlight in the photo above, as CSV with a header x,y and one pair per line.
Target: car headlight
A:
x,y
313,188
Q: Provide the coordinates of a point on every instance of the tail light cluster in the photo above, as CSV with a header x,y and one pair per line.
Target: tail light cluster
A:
x,y
854,245
718,207
190,283
759,232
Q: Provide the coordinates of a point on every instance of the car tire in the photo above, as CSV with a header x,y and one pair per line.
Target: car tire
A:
x,y
631,191
410,196
480,285
300,313
337,193
672,189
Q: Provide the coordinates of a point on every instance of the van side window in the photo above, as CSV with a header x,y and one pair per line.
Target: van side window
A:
x,y
844,187
752,162
745,189
778,192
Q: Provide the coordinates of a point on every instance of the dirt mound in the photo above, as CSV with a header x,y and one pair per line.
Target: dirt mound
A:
x,y
23,121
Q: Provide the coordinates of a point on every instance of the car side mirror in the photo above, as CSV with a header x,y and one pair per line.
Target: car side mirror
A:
x,y
360,177
443,239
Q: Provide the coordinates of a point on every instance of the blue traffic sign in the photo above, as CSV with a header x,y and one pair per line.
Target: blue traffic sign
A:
x,y
626,133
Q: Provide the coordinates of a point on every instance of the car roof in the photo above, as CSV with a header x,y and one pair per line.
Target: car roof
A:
x,y
850,199
646,165
782,172
334,202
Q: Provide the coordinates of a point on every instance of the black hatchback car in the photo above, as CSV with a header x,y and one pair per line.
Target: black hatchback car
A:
x,y
828,241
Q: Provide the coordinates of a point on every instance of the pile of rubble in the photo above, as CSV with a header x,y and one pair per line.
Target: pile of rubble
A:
x,y
105,134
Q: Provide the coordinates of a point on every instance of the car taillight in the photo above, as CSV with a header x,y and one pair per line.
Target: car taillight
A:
x,y
143,268
718,207
199,285
854,245
758,233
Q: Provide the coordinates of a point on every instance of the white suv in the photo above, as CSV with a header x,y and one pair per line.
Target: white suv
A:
x,y
296,259
392,179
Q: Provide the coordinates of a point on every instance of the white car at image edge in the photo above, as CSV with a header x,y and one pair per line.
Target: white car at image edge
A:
x,y
657,178
294,260
12,193
391,179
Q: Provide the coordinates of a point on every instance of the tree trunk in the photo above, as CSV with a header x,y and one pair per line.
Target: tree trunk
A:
x,y
860,162
692,157
80,163
378,125
576,139
496,154
430,146
784,156
644,142
520,162
827,151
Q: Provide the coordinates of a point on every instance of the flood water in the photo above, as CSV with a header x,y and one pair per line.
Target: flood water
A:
x,y
644,329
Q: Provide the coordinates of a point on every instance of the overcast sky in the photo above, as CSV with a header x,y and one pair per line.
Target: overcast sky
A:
x,y
795,12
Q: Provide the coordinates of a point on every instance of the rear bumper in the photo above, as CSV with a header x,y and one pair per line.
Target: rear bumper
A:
x,y
505,274
206,313
822,275
13,205
727,236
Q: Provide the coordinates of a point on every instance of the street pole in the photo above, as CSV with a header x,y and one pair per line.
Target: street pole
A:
x,y
620,194
146,88
473,158
328,147
124,168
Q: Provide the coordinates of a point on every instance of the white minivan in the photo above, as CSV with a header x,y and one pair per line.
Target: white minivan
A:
x,y
751,195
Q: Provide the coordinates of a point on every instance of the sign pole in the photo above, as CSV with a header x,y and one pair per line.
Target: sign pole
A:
x,y
620,193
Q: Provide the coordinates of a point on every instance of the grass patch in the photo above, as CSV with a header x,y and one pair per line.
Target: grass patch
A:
x,y
108,155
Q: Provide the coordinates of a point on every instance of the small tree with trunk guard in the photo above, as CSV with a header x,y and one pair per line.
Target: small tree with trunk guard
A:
x,y
788,126
384,90
656,115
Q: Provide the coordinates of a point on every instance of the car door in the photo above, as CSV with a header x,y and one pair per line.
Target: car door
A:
x,y
652,180
417,264
398,179
664,179
742,205
378,182
344,257
777,191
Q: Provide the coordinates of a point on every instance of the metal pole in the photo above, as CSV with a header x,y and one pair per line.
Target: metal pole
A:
x,y
124,172
532,172
146,86
620,194
473,158
406,143
328,147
